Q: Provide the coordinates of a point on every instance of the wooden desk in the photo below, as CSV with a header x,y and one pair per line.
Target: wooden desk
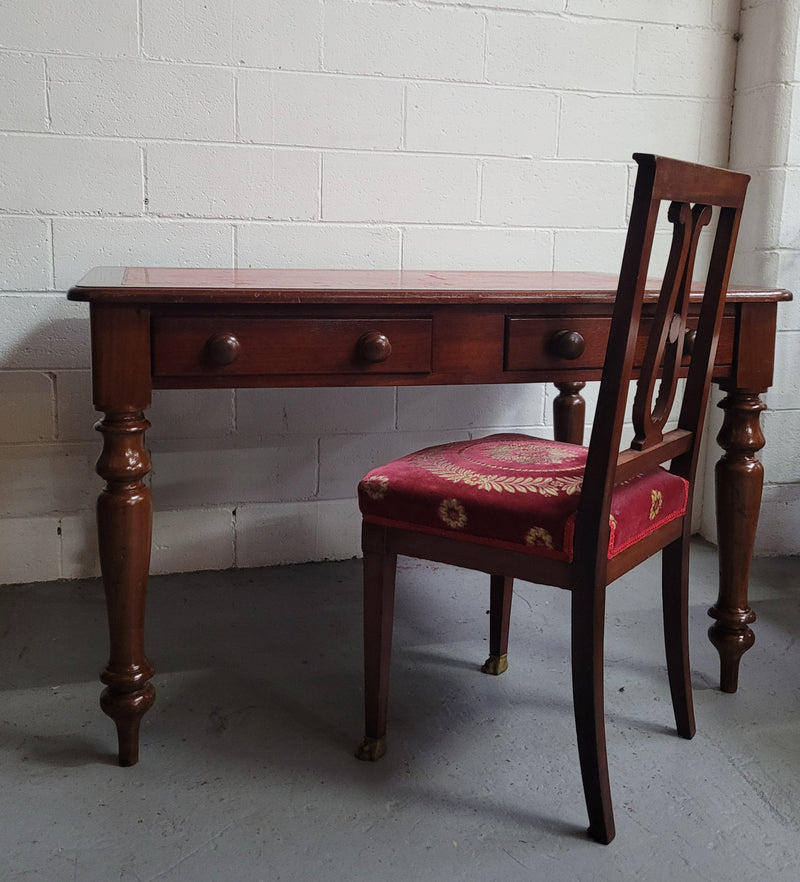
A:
x,y
204,328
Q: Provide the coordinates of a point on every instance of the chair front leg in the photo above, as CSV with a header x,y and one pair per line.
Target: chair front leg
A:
x,y
675,600
588,622
379,582
501,590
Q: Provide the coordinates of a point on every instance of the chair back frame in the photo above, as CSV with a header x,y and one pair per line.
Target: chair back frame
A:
x,y
692,191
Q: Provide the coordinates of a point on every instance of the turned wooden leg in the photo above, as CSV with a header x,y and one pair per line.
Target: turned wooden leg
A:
x,y
569,413
739,479
124,525
501,590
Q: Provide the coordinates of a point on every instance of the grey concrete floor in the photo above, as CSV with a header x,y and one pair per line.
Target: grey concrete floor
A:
x,y
247,769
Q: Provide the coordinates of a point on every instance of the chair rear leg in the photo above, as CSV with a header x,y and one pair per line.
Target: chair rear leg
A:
x,y
675,601
588,612
379,582
501,589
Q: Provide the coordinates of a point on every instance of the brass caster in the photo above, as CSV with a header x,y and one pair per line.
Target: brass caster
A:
x,y
371,749
495,664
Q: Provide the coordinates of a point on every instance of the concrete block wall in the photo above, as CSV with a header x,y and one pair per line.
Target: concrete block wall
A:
x,y
766,143
307,133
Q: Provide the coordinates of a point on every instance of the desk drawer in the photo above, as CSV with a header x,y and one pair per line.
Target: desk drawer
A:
x,y
239,346
534,343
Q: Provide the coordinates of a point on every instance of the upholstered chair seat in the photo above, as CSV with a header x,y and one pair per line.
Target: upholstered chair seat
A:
x,y
512,491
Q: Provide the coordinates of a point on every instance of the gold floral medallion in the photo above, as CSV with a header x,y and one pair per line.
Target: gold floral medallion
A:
x,y
452,512
375,486
656,501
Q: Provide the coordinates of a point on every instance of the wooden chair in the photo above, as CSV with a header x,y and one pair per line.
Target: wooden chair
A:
x,y
566,515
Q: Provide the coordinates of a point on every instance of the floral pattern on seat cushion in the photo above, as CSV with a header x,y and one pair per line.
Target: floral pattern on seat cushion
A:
x,y
512,491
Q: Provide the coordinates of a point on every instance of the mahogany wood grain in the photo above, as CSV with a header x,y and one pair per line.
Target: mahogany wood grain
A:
x,y
535,343
268,346
569,412
171,285
139,314
501,590
739,477
120,352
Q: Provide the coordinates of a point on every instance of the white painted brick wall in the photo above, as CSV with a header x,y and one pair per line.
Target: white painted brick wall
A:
x,y
562,53
340,133
135,99
288,532
707,64
319,110
666,12
283,35
203,542
30,550
764,142
54,175
554,193
188,474
87,241
475,248
43,332
41,479
399,187
345,458
201,180
28,407
602,126
450,118
23,98
336,246
404,40
263,412
592,250
453,407
84,27
25,243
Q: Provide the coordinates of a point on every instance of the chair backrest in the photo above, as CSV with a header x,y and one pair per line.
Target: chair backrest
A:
x,y
692,194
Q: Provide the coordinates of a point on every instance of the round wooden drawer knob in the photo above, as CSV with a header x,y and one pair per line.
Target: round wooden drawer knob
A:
x,y
222,349
567,344
374,347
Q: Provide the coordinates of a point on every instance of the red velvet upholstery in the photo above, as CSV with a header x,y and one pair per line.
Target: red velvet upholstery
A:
x,y
512,491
